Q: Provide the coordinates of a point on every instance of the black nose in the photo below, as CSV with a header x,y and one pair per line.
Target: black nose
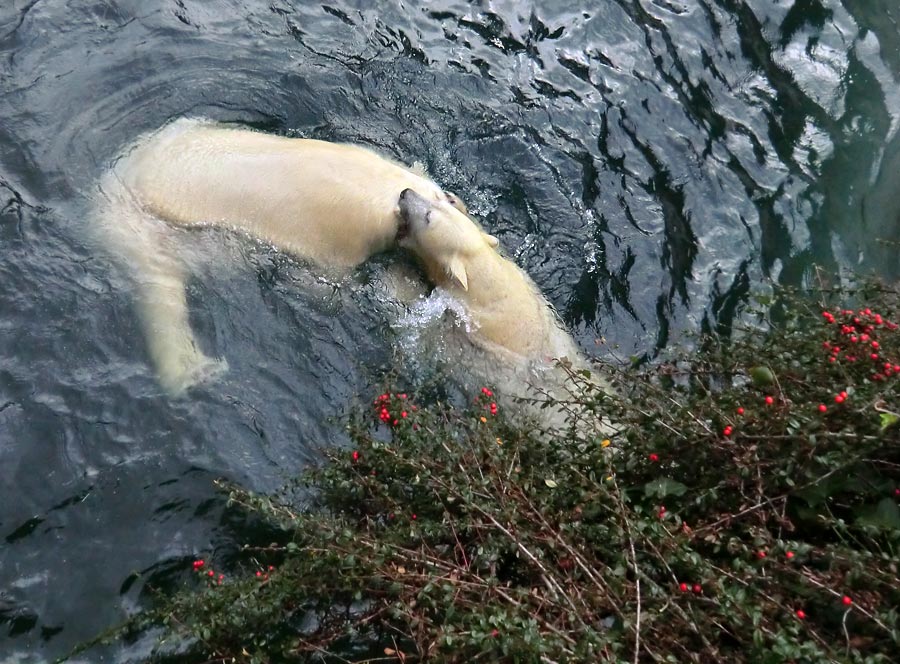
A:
x,y
404,192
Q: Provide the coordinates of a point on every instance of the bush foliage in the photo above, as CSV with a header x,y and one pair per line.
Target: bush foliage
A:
x,y
746,512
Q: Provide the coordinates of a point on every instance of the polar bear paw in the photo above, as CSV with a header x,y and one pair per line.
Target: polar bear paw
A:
x,y
195,368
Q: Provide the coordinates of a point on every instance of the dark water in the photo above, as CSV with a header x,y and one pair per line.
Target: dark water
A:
x,y
646,161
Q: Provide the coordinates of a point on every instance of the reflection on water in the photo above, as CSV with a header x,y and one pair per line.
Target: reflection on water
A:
x,y
648,162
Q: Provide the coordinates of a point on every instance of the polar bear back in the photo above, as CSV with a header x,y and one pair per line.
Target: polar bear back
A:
x,y
331,203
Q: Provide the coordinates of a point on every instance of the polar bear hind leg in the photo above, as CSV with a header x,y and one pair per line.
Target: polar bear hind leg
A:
x,y
138,242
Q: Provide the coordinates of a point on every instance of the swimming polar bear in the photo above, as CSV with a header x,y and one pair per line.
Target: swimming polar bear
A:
x,y
332,204
509,316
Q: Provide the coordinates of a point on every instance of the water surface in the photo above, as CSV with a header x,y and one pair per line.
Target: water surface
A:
x,y
648,162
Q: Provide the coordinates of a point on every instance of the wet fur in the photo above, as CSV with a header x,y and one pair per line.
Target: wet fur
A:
x,y
332,204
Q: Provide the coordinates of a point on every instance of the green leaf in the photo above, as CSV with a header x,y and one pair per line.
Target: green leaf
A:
x,y
888,419
550,483
762,376
883,516
663,487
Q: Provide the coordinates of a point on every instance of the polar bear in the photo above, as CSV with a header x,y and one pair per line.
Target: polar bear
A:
x,y
509,316
332,204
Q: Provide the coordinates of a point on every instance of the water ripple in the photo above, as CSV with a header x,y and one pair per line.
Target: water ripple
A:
x,y
649,163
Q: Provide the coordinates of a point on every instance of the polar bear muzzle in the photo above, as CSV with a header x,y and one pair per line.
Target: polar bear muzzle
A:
x,y
414,210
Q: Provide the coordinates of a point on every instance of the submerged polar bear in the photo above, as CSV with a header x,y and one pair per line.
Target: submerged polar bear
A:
x,y
333,204
510,317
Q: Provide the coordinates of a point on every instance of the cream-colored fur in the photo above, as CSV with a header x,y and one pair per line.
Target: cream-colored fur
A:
x,y
332,204
509,316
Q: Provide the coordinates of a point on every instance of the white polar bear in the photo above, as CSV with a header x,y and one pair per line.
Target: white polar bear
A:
x,y
509,316
332,204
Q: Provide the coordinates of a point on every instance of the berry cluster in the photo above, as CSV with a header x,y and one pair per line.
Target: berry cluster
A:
x,y
199,566
856,340
401,408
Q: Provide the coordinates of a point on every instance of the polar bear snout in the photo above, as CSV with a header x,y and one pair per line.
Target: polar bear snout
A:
x,y
413,203
414,209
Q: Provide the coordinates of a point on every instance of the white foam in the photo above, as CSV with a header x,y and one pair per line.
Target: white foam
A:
x,y
428,313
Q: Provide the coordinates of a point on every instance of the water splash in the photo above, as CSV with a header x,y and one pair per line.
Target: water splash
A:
x,y
426,320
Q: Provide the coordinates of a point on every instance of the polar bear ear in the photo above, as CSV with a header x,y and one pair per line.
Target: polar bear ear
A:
x,y
491,240
456,202
457,272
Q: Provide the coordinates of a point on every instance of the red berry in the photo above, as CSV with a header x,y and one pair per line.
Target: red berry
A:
x,y
653,457
769,401
683,587
495,632
355,455
875,345
413,517
403,414
697,589
740,410
789,555
760,554
846,600
822,407
801,614
210,573
874,356
854,339
839,398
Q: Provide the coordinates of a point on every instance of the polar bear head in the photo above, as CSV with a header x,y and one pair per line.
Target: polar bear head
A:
x,y
443,237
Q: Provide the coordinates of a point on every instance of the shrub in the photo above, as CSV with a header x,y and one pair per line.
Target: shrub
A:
x,y
747,512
